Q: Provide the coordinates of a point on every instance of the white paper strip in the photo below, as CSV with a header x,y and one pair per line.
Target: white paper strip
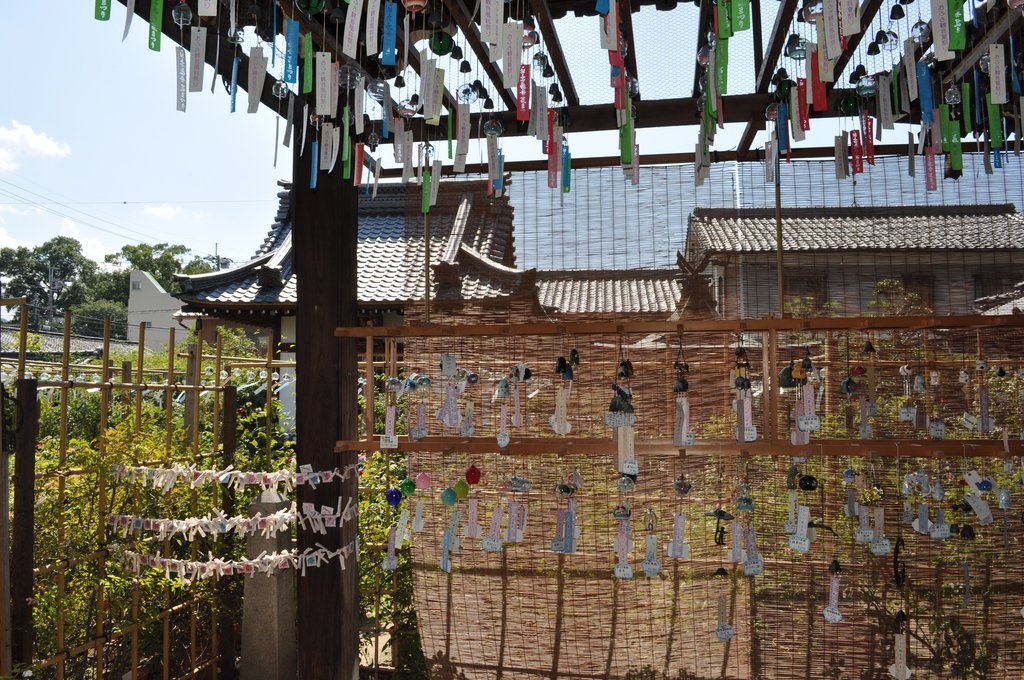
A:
x,y
462,130
181,70
358,104
940,30
350,42
399,132
233,16
435,180
910,68
849,12
492,158
997,73
513,53
794,116
833,44
435,97
323,83
291,117
257,74
335,146
769,163
492,16
197,59
207,8
372,26
885,102
542,113
608,24
305,127
335,92
427,83
128,19
326,145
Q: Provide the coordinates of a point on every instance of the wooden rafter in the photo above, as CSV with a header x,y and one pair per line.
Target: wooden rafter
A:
x,y
464,20
780,31
553,47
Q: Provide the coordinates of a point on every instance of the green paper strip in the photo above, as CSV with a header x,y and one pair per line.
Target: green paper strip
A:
x,y
724,22
425,193
451,114
956,155
568,175
740,13
626,136
946,127
307,64
995,122
957,30
965,100
722,65
102,10
156,21
346,144
709,104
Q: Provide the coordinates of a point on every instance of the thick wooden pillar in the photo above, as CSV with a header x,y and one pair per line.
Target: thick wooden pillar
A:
x,y
324,256
26,440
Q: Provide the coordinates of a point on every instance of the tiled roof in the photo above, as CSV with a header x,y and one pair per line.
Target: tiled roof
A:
x,y
983,227
628,292
468,231
54,343
1011,302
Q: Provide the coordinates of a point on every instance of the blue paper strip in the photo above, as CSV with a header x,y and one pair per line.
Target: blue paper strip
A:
x,y
974,15
315,160
291,51
389,51
234,81
501,172
782,126
997,158
603,7
924,92
977,100
385,116
566,167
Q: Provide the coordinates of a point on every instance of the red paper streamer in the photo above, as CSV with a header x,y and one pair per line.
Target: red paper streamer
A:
x,y
856,152
359,164
820,96
801,98
931,182
553,153
524,85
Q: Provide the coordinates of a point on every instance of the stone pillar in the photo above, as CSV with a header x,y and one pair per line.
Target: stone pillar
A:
x,y
268,606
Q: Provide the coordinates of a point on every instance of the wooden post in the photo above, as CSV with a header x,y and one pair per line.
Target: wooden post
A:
x,y
24,521
324,236
227,594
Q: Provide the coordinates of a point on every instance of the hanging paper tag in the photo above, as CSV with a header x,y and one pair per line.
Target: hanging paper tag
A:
x,y
156,20
833,44
880,544
102,10
182,79
864,534
492,17
678,549
390,36
957,31
513,54
353,19
523,87
235,64
856,153
997,74
651,564
941,30
723,631
417,519
735,553
799,541
197,55
257,74
754,564
939,529
849,17
291,51
207,8
931,181
789,527
391,560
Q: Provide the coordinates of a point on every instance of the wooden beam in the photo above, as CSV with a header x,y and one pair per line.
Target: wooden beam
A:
x,y
704,25
827,448
464,20
755,11
324,242
553,47
626,19
868,10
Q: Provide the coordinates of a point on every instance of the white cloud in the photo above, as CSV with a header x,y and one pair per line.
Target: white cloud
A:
x,y
92,248
8,241
162,210
21,140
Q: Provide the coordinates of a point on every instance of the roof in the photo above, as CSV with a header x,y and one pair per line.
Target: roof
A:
x,y
963,227
472,254
1010,302
50,343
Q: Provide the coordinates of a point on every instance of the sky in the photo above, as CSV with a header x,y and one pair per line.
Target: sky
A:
x,y
91,145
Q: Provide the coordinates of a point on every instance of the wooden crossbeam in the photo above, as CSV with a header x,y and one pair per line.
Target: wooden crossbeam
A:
x,y
553,46
464,20
626,18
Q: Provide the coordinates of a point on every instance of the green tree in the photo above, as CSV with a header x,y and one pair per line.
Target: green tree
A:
x,y
162,260
87,318
54,276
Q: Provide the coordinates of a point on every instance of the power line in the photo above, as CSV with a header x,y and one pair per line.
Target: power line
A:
x,y
164,202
